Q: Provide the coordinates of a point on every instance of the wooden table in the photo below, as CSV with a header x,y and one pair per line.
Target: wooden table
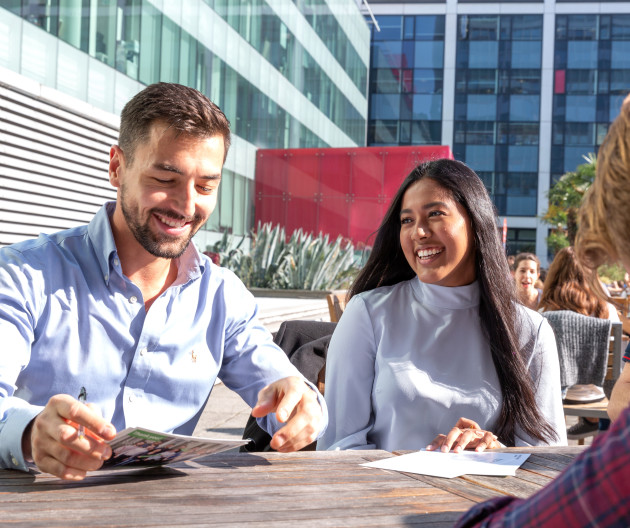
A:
x,y
265,489
590,410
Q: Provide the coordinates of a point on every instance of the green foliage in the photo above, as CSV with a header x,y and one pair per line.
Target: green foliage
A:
x,y
611,272
556,241
565,198
304,262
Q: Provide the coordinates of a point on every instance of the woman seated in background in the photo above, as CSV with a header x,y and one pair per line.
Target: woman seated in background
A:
x,y
433,335
571,286
526,275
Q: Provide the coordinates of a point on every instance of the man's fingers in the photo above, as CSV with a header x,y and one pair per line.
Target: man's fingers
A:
x,y
300,431
57,447
82,414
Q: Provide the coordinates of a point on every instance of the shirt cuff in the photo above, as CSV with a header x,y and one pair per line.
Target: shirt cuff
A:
x,y
12,427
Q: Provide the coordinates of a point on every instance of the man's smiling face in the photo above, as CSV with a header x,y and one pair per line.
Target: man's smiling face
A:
x,y
170,188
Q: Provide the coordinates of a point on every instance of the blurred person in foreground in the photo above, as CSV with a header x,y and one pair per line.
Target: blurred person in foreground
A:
x,y
593,491
128,308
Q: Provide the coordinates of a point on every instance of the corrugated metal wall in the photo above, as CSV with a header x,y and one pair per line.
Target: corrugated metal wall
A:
x,y
53,166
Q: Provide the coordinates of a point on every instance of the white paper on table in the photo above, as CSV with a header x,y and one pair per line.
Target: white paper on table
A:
x,y
449,465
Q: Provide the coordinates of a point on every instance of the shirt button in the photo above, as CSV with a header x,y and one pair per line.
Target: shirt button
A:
x,y
14,461
143,351
106,277
116,262
133,299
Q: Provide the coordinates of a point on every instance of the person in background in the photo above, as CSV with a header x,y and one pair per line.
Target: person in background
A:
x,y
593,491
433,348
574,287
129,309
526,273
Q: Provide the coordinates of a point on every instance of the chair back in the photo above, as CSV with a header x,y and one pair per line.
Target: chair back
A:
x,y
583,344
336,304
615,354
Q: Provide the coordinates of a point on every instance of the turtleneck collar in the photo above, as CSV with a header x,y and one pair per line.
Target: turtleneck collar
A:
x,y
459,297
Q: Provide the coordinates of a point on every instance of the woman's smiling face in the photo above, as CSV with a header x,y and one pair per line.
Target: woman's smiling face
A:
x,y
436,236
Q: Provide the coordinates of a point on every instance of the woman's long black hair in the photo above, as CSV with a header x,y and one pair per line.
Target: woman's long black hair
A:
x,y
387,265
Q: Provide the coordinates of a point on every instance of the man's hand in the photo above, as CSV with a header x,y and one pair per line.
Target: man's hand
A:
x,y
465,435
53,442
295,403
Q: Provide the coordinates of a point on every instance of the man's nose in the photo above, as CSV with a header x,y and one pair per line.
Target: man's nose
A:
x,y
185,199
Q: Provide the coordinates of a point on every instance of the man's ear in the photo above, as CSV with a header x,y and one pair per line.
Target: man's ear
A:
x,y
116,164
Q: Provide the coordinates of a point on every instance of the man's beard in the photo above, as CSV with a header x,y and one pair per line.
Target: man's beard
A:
x,y
159,245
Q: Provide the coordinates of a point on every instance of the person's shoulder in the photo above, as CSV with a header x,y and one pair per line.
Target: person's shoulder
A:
x,y
45,245
530,318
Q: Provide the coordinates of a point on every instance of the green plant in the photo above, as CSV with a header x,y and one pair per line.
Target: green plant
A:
x,y
304,262
565,197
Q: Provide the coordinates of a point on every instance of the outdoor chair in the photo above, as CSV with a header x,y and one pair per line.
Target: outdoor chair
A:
x,y
582,348
305,343
336,304
589,351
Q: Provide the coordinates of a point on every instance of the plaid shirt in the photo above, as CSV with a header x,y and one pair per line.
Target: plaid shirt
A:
x,y
593,491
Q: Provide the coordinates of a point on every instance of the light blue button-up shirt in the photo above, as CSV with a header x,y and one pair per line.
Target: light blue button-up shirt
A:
x,y
70,318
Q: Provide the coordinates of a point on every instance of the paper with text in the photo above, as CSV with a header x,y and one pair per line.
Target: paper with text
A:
x,y
449,465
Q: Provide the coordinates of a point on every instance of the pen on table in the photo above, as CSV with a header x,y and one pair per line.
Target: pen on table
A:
x,y
82,397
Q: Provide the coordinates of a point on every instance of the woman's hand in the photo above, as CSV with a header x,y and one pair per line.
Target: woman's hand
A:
x,y
465,435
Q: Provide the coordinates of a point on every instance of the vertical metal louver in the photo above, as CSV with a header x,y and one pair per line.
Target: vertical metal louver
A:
x,y
53,166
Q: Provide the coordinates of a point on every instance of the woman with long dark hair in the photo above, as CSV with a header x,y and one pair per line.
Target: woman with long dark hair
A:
x,y
433,335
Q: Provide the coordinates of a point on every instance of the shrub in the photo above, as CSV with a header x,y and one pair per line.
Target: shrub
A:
x,y
304,262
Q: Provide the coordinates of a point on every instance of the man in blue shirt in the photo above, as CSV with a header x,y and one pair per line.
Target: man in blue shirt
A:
x,y
129,309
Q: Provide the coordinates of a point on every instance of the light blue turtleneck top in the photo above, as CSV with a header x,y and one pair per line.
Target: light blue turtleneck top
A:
x,y
407,361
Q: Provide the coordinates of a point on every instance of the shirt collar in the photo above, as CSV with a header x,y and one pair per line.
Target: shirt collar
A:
x,y
102,238
190,264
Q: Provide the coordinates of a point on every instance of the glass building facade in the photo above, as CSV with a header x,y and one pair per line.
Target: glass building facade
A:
x,y
497,105
406,79
591,79
268,64
521,92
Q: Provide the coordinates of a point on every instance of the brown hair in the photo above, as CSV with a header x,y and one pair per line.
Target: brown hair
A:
x,y
604,218
526,256
572,286
183,109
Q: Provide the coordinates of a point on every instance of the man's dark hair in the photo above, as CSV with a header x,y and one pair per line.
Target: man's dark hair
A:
x,y
498,317
183,109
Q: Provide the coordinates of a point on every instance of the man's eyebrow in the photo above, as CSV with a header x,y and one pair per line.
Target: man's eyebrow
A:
x,y
172,168
166,167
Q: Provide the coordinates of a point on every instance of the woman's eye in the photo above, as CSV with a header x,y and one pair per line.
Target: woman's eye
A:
x,y
435,213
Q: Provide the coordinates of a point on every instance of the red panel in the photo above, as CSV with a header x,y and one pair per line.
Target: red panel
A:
x,y
367,172
365,217
271,172
301,212
334,213
334,165
270,209
336,191
560,83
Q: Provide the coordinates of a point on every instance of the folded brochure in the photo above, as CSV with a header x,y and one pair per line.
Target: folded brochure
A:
x,y
137,446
